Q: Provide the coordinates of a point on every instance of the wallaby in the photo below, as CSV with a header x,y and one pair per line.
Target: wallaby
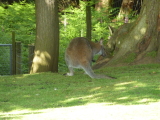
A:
x,y
80,53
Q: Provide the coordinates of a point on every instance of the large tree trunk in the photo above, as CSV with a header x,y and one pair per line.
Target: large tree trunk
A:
x,y
126,8
88,22
101,4
137,42
47,37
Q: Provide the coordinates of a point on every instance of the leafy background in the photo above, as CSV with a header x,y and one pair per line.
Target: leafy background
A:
x,y
20,17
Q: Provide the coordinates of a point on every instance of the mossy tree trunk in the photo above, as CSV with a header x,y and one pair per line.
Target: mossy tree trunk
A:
x,y
47,37
138,42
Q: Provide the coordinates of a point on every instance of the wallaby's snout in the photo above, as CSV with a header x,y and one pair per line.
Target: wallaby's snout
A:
x,y
103,51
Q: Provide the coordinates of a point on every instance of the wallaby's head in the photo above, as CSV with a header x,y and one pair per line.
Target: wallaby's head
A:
x,y
102,51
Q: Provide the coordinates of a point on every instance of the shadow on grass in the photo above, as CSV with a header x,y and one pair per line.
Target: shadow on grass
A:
x,y
135,85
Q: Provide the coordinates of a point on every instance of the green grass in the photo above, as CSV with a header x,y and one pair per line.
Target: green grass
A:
x,y
135,86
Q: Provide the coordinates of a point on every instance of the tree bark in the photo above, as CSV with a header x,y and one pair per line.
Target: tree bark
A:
x,y
47,37
126,8
88,22
137,42
101,4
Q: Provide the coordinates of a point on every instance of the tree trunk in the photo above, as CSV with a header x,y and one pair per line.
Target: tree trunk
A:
x,y
126,8
47,37
88,22
137,42
101,4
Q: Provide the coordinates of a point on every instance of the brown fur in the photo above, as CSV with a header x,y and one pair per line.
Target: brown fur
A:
x,y
80,53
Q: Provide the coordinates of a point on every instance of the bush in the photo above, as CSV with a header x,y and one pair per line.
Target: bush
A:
x,y
19,17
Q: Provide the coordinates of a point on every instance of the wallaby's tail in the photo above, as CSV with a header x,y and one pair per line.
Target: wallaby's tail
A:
x,y
104,76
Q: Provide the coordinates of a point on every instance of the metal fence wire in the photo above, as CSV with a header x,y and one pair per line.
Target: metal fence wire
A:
x,y
23,58
5,59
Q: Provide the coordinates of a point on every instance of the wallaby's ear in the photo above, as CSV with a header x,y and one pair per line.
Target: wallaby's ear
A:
x,y
101,41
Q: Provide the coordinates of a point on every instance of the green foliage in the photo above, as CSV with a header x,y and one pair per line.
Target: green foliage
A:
x,y
151,54
73,24
100,22
130,58
76,26
20,17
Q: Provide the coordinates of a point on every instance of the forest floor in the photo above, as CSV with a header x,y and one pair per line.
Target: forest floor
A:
x,y
135,94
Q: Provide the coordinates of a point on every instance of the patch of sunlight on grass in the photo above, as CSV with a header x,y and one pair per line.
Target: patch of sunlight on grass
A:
x,y
82,98
139,84
133,83
120,88
123,98
145,100
92,111
22,76
95,89
27,96
125,83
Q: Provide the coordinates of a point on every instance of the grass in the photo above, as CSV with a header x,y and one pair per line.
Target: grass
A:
x,y
136,91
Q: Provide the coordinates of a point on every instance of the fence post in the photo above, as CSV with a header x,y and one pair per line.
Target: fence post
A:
x,y
13,54
88,22
31,55
18,57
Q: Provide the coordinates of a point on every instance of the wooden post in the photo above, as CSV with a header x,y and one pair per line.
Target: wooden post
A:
x,y
13,54
31,55
88,21
18,57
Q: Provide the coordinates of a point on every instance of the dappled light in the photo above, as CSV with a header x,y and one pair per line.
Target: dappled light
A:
x,y
125,83
40,59
143,30
48,95
133,39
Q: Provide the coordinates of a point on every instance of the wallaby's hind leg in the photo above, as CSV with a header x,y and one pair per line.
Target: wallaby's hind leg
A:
x,y
90,72
71,72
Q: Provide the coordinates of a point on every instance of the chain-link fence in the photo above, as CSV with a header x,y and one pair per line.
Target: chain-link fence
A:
x,y
15,58
19,63
5,59
27,53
